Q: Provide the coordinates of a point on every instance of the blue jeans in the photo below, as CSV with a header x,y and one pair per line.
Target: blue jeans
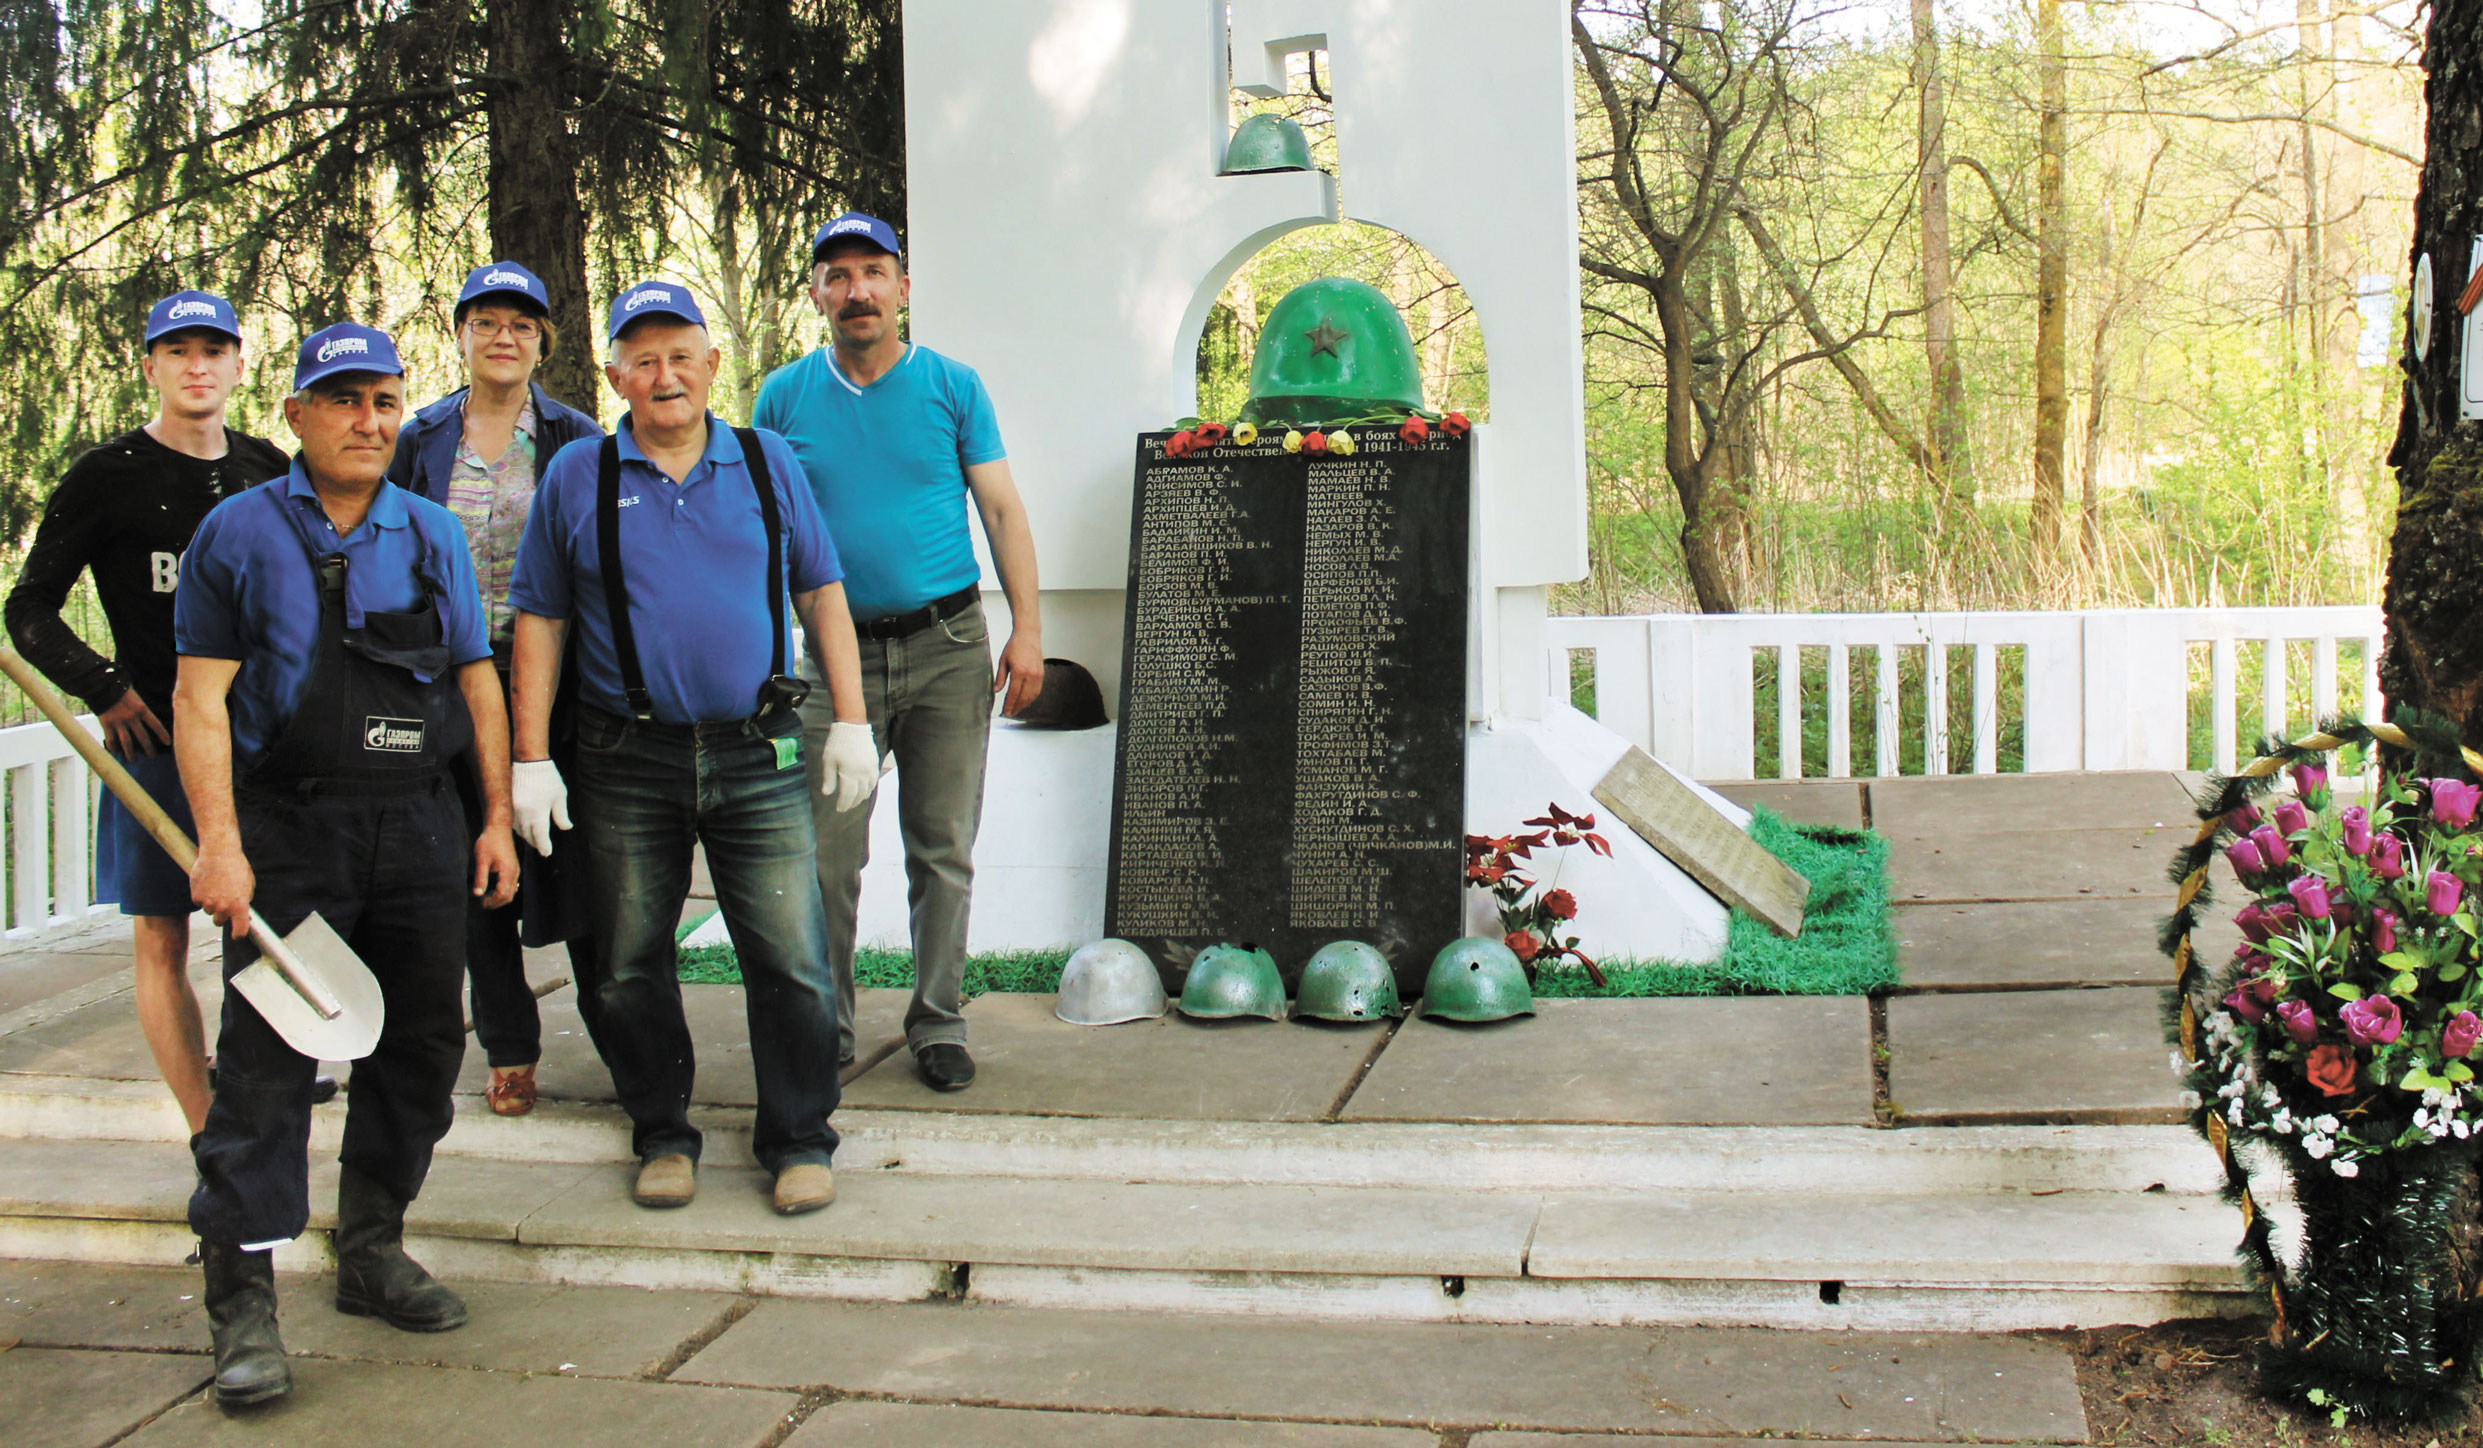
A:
x,y
644,795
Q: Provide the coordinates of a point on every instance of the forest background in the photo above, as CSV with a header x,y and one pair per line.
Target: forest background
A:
x,y
1889,304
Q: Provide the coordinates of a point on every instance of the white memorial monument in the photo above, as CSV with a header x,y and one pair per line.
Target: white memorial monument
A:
x,y
1069,232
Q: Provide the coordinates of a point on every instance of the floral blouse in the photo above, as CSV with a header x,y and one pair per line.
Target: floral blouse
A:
x,y
492,500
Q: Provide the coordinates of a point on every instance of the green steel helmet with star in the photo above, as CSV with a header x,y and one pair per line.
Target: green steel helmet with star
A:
x,y
1333,349
1266,143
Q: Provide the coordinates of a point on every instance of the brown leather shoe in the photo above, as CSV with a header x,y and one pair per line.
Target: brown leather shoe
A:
x,y
804,1188
665,1181
512,1091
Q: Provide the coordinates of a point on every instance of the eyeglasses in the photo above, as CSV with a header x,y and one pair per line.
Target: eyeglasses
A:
x,y
524,329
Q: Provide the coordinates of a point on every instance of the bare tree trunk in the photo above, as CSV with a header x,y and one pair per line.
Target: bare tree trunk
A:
x,y
536,217
2091,458
2434,598
1948,380
2051,282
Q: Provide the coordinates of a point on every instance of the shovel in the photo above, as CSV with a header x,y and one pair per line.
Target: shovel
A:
x,y
309,984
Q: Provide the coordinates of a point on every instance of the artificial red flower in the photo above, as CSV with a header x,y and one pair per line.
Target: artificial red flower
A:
x,y
1522,944
2330,1067
1560,904
1455,424
1180,445
1415,433
1210,434
1314,442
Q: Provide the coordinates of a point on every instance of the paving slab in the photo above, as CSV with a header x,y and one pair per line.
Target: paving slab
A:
x,y
31,977
73,1304
516,1327
1070,1223
948,1425
2112,1239
1812,802
377,1405
2046,942
1924,1387
2008,803
1718,1061
102,1038
1605,1440
61,1399
2032,864
2093,1054
719,1035
1030,1062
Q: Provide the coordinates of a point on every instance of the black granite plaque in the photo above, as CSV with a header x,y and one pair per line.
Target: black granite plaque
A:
x,y
1292,760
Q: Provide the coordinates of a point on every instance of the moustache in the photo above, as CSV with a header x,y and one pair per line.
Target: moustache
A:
x,y
856,309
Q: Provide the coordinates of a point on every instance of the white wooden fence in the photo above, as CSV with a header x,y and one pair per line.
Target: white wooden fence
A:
x,y
2101,690
2107,689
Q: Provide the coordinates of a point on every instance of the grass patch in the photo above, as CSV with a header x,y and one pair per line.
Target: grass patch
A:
x,y
1847,946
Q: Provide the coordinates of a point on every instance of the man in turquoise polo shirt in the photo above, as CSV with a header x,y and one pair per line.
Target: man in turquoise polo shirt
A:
x,y
895,438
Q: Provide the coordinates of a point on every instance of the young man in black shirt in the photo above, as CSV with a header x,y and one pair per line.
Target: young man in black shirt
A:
x,y
125,510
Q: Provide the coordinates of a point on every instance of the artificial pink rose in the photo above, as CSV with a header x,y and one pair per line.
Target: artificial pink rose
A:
x,y
2291,818
2355,824
2299,1023
2372,1021
2453,803
2442,891
2242,1003
2243,818
2311,780
2310,896
2383,931
2251,921
2458,1037
2388,857
2244,857
2272,846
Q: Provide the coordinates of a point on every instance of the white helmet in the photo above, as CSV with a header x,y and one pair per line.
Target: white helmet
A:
x,y
1109,982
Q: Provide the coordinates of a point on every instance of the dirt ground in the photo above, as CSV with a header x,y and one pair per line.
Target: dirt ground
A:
x,y
2195,1384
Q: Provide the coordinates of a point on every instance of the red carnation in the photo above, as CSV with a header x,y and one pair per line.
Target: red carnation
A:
x,y
1560,904
1455,424
1415,433
1210,434
1180,445
1521,944
1314,442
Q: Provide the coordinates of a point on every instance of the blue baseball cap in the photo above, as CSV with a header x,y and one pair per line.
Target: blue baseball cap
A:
x,y
653,299
854,225
345,347
192,311
504,278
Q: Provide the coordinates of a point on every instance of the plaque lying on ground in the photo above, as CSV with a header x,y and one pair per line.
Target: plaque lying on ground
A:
x,y
1291,760
1703,841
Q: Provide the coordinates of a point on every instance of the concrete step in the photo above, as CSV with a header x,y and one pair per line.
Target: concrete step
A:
x,y
1462,1156
1984,1261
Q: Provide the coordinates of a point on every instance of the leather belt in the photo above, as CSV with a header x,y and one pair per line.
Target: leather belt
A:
x,y
938,610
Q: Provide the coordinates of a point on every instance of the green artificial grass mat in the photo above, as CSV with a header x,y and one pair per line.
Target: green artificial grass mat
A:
x,y
1847,945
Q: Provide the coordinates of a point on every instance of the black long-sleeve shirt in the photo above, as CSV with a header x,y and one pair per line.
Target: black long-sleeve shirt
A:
x,y
126,509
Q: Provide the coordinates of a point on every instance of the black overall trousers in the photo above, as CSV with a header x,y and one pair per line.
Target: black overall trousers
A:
x,y
350,813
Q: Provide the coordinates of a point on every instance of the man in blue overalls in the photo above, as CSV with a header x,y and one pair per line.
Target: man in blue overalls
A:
x,y
333,662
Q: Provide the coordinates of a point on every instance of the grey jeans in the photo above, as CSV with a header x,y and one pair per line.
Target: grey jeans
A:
x,y
930,701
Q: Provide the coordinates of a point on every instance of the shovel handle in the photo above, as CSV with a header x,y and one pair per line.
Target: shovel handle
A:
x,y
143,808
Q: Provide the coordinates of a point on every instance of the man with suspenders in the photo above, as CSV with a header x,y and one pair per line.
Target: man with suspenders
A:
x,y
671,547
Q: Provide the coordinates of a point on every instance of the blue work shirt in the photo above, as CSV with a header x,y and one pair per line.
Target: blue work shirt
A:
x,y
888,463
693,555
249,592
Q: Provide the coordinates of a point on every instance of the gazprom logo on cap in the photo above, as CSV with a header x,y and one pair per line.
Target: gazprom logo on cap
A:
x,y
645,297
849,225
180,310
336,347
504,279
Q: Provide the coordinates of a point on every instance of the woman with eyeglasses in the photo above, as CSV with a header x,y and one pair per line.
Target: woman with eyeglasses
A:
x,y
477,452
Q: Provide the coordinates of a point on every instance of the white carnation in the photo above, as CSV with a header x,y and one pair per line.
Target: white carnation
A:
x,y
2345,1166
2316,1147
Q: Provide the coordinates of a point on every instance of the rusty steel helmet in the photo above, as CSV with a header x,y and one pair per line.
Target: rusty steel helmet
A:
x,y
1347,980
1233,980
1266,143
1333,348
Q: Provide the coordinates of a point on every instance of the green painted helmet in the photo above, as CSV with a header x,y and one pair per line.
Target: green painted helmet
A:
x,y
1332,348
1266,143
1347,981
1477,979
1233,980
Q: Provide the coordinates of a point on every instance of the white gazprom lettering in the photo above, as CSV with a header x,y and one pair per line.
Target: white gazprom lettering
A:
x,y
503,279
391,736
842,227
336,347
190,309
167,570
640,299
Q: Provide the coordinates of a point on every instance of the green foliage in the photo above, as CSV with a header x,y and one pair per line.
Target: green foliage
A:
x,y
1030,971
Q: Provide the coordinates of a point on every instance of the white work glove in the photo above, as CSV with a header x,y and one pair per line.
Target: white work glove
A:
x,y
540,801
851,770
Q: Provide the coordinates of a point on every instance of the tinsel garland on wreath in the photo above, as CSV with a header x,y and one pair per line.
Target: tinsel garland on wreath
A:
x,y
2379,1320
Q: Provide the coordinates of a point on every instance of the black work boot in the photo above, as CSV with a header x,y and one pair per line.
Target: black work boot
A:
x,y
374,1277
241,1314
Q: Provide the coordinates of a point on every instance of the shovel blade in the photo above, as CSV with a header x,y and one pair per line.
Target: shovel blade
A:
x,y
324,955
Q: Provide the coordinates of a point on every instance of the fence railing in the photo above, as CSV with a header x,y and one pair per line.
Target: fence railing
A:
x,y
2106,689
50,813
